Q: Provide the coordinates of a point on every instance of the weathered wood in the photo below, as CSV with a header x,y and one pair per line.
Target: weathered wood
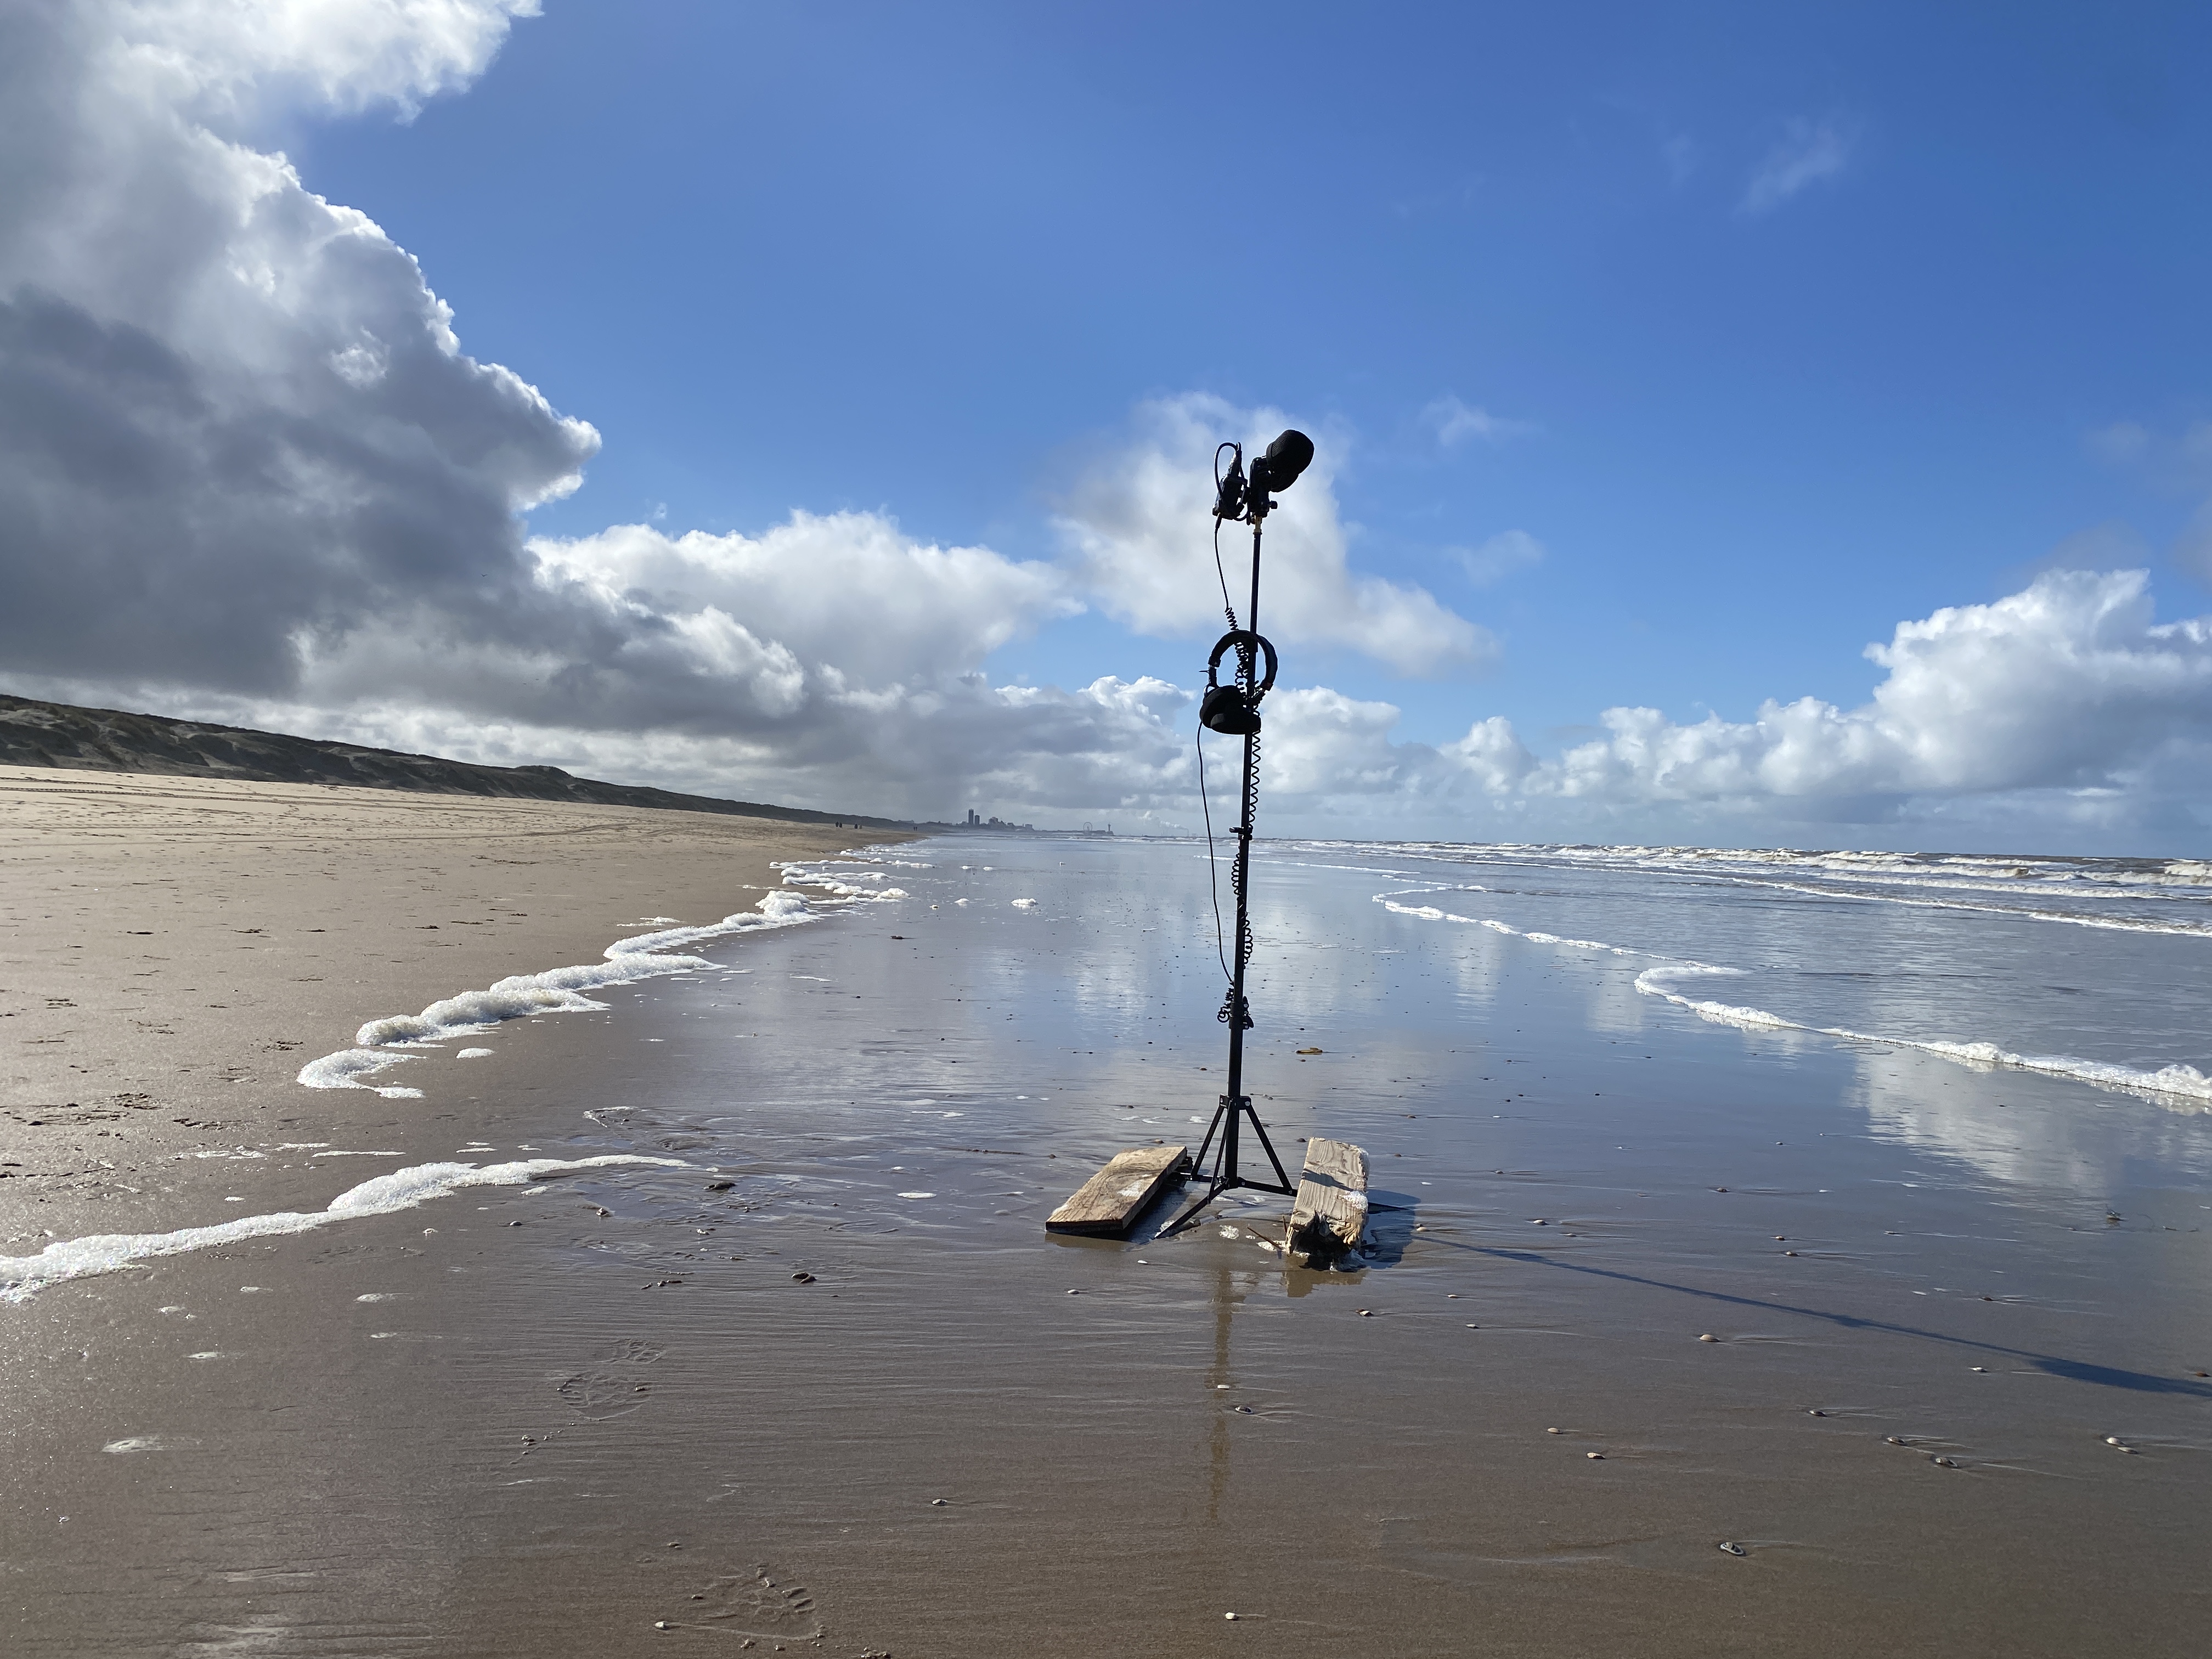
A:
x,y
1330,1212
1109,1202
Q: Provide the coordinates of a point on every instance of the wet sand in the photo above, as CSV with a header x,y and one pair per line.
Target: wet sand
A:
x,y
601,1414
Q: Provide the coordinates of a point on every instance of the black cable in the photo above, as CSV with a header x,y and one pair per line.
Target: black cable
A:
x,y
1213,866
1227,609
1252,817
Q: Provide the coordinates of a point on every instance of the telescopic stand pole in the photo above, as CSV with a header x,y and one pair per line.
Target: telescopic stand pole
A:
x,y
1236,1105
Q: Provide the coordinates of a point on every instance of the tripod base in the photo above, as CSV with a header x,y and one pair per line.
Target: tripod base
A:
x,y
1228,1117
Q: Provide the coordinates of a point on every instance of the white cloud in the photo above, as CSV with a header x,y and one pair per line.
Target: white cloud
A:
x,y
246,471
922,750
2069,689
1136,528
221,57
848,590
1807,153
1454,422
1500,556
232,418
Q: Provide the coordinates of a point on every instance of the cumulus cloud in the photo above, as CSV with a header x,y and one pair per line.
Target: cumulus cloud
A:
x,y
1133,526
1808,153
234,419
913,751
248,470
847,590
2070,687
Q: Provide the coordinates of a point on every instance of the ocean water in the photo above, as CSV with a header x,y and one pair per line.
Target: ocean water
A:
x,y
2093,967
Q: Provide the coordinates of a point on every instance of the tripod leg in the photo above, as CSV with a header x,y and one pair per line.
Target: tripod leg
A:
x,y
1262,1130
1213,1189
1199,1163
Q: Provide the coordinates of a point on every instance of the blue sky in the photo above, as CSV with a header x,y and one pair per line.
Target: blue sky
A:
x,y
917,258
1663,358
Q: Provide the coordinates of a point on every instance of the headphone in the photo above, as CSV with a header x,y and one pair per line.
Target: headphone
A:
x,y
1225,708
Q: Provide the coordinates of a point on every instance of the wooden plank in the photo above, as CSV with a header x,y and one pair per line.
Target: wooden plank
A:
x,y
1109,1202
1330,1212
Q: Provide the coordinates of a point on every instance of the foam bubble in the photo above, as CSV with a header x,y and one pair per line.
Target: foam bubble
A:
x,y
520,996
23,1277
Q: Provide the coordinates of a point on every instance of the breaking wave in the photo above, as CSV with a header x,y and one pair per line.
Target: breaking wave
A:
x,y
1673,979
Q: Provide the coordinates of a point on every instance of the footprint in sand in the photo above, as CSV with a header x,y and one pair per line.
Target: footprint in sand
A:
x,y
620,1383
760,1603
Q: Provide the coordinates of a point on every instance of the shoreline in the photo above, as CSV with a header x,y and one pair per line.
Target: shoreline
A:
x,y
176,949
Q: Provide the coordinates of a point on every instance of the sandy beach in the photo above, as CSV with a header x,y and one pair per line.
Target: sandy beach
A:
x,y
1672,1339
175,948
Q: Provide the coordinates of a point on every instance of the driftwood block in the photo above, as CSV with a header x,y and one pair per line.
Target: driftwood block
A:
x,y
1330,1212
1109,1202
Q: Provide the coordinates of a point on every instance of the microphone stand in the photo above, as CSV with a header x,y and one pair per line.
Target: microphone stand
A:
x,y
1235,1107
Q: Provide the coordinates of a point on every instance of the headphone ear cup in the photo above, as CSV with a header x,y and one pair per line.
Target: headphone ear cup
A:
x,y
1224,709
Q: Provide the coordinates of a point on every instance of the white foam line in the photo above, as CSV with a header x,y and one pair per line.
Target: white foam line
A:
x,y
1726,868
1910,867
1429,913
557,990
2117,924
2175,1082
22,1277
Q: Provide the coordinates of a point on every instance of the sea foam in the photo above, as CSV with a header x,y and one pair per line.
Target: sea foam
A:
x,y
2164,893
564,990
22,1277
1667,980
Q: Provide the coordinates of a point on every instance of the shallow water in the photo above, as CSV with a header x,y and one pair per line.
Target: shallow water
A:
x,y
1902,1258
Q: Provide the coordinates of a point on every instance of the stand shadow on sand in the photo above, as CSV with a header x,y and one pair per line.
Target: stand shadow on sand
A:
x,y
1392,1223
2076,1371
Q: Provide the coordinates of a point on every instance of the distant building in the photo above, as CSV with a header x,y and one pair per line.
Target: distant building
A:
x,y
976,822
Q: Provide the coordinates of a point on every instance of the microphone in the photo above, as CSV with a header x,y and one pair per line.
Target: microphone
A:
x,y
1286,457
